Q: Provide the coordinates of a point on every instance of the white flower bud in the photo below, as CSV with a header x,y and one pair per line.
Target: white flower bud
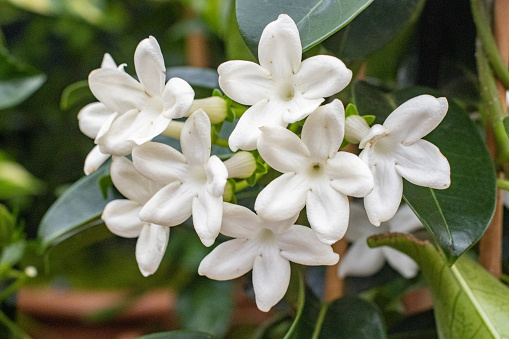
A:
x,y
215,107
241,165
31,271
174,129
355,128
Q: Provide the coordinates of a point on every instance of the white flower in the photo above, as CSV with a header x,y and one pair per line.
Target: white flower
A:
x,y
121,215
282,89
142,109
193,180
315,173
265,247
395,150
360,260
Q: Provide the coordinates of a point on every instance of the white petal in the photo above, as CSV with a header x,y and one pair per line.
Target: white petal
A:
x,y
149,124
216,176
239,222
108,61
283,198
401,262
349,174
245,81
383,202
322,76
246,132
178,98
279,226
416,118
271,276
327,212
92,117
131,183
149,64
323,130
171,206
282,149
121,218
301,246
405,220
298,107
360,260
359,226
116,89
207,216
150,247
115,139
422,164
195,138
229,260
94,159
279,49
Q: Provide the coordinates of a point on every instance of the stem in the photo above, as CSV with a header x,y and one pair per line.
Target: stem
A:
x,y
197,51
320,319
16,331
484,33
220,142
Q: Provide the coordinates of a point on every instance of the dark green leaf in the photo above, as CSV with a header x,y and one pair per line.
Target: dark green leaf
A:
x,y
506,125
76,93
206,305
178,335
316,19
201,77
458,216
468,301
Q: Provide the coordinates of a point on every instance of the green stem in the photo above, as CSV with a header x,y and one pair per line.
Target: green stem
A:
x,y
16,331
320,319
238,109
220,142
503,184
490,47
12,288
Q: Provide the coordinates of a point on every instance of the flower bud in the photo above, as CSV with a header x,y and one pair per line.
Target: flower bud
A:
x,y
228,192
215,107
31,271
241,165
355,128
174,129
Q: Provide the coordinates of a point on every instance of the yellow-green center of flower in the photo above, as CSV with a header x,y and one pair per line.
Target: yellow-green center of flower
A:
x,y
316,169
287,91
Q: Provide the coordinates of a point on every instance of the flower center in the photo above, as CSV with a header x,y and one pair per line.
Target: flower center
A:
x,y
316,169
266,236
287,91
198,175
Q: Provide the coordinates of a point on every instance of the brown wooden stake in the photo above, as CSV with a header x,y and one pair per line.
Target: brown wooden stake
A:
x,y
334,285
197,51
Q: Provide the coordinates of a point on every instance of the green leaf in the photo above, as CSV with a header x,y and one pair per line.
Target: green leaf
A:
x,y
17,81
351,110
206,305
12,254
468,301
202,77
315,19
75,94
78,209
506,125
458,216
183,334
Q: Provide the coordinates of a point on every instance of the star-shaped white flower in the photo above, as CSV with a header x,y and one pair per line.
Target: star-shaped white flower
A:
x,y
282,89
395,150
265,247
315,174
360,260
142,109
121,216
193,180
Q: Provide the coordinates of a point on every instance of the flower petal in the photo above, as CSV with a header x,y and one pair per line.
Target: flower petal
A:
x,y
323,130
115,139
195,138
322,76
149,124
360,260
416,118
229,260
149,64
422,164
130,182
178,98
116,89
92,117
298,107
246,132
216,176
239,221
94,159
150,247
383,202
401,262
359,226
283,198
271,277
301,246
327,211
160,163
108,61
282,149
207,216
405,220
349,174
170,206
121,218
280,49
245,81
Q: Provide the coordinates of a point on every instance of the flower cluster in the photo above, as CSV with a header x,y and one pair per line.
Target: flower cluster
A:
x,y
163,187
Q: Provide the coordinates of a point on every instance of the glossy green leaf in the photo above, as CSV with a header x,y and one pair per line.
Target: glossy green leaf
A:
x,y
458,216
316,19
17,81
468,301
202,77
76,93
206,305
178,335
